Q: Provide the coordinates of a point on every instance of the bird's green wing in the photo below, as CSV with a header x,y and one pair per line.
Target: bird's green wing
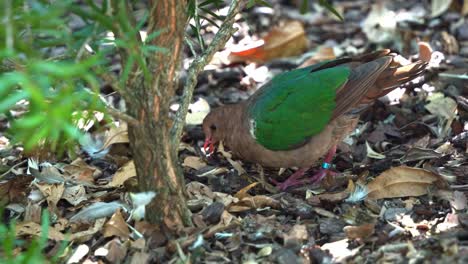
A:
x,y
295,106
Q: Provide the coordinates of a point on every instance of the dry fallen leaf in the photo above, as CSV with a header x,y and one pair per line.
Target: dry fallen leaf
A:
x,y
285,41
401,182
362,231
34,229
438,7
117,251
372,153
242,193
441,106
296,236
82,172
193,162
235,164
334,197
322,53
78,254
115,135
124,173
380,24
75,194
14,190
52,192
247,202
464,11
116,226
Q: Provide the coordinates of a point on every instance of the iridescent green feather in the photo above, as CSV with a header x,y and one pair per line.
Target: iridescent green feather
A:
x,y
295,106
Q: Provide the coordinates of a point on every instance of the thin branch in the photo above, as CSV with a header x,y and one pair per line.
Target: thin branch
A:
x,y
222,36
12,168
121,115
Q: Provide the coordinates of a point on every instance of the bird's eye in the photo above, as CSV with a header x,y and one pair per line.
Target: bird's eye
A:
x,y
213,127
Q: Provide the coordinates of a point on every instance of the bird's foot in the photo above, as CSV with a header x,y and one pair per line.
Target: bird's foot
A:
x,y
295,178
317,177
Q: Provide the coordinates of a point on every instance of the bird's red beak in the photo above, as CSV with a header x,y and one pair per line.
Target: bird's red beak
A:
x,y
208,147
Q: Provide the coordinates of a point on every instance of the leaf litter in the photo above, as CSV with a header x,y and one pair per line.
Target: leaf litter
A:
x,y
400,194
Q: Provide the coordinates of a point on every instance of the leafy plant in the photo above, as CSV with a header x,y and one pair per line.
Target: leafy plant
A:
x,y
34,249
42,65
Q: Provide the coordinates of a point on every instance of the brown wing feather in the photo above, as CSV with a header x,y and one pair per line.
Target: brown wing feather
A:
x,y
360,81
372,76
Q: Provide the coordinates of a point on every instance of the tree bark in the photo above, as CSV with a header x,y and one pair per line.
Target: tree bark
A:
x,y
154,156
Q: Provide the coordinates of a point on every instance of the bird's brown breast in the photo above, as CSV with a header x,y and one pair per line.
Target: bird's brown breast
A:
x,y
246,148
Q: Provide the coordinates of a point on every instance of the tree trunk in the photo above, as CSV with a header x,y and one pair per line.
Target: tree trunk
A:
x,y
155,158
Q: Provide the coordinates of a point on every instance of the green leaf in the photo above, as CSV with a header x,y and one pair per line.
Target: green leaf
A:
x,y
11,100
304,6
210,20
251,3
330,8
216,3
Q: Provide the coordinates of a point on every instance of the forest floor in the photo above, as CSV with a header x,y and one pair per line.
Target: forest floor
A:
x,y
415,138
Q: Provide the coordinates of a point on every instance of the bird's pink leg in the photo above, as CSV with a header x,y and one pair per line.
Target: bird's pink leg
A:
x,y
295,180
325,169
292,180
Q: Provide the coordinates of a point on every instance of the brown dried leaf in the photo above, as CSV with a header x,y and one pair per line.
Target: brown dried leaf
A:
x,y
296,236
34,229
89,232
253,202
335,197
75,194
14,190
117,251
323,53
243,192
79,170
425,51
52,192
285,41
116,135
464,11
124,173
116,226
193,162
415,154
362,231
442,106
401,182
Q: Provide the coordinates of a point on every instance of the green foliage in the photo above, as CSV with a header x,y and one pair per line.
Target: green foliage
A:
x,y
257,2
43,64
34,250
54,66
200,12
329,7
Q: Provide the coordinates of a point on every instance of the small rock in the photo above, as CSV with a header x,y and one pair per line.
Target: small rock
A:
x,y
462,32
331,225
392,213
287,256
212,213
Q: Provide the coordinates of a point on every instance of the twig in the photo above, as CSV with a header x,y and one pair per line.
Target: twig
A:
x,y
459,187
12,168
121,115
224,33
456,76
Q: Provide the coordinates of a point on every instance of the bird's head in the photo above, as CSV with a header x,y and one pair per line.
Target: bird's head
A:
x,y
212,127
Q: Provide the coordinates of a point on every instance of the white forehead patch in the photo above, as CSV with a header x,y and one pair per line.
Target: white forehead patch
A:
x,y
252,127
